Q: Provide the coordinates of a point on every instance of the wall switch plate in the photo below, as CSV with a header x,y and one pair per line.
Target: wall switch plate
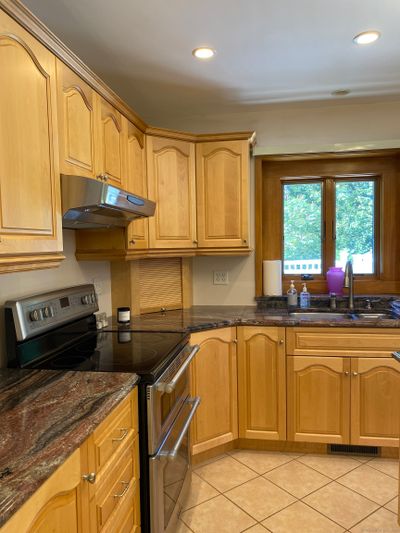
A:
x,y
221,277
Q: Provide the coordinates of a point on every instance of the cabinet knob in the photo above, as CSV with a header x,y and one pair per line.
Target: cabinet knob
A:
x,y
105,177
244,241
132,241
90,478
195,241
354,374
281,341
235,341
346,373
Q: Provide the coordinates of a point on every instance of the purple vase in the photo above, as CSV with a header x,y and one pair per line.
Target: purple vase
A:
x,y
335,279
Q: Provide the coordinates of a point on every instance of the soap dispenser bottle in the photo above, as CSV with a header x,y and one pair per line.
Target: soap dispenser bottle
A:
x,y
304,297
292,295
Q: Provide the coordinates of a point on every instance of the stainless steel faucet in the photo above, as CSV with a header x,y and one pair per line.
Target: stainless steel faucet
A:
x,y
349,283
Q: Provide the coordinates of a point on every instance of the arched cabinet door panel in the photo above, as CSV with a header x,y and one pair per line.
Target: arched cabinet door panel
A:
x,y
110,143
76,123
214,379
171,184
318,399
375,401
262,383
222,170
136,175
30,218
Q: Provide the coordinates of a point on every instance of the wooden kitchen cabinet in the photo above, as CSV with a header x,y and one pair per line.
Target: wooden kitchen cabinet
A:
x,y
375,401
222,169
76,123
214,379
262,383
110,142
318,399
30,213
112,453
55,506
110,502
171,184
136,176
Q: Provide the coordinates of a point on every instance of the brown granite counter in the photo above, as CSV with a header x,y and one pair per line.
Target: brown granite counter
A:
x,y
44,416
201,317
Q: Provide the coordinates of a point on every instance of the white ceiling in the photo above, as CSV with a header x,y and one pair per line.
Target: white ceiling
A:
x,y
267,51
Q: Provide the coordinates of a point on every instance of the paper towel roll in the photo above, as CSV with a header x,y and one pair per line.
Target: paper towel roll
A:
x,y
272,278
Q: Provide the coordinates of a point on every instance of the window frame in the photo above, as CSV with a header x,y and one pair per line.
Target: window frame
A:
x,y
328,221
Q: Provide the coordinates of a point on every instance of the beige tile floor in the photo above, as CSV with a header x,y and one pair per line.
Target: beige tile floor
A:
x,y
258,492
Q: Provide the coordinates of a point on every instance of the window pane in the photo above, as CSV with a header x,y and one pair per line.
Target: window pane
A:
x,y
355,225
302,210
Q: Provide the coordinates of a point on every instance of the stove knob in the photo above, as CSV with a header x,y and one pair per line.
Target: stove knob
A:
x,y
48,312
92,298
35,315
85,299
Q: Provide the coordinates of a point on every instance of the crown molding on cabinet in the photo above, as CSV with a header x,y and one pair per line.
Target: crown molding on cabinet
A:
x,y
21,14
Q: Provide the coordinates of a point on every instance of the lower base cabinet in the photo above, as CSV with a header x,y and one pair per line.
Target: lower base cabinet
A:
x,y
262,383
214,379
343,400
96,489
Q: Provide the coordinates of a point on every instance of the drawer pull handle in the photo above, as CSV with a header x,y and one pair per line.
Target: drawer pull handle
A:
x,y
124,433
90,478
122,494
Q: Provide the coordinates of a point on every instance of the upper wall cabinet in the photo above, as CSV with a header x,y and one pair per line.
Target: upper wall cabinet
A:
x,y
30,218
76,123
222,193
171,183
110,143
136,177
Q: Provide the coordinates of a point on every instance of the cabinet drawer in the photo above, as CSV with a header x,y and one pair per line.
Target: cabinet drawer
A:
x,y
342,341
115,431
127,518
117,490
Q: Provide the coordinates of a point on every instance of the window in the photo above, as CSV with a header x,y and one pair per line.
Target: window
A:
x,y
328,220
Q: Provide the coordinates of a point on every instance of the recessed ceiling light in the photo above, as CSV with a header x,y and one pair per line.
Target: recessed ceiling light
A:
x,y
340,92
367,37
203,52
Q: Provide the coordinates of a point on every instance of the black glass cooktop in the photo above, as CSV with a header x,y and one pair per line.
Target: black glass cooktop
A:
x,y
145,353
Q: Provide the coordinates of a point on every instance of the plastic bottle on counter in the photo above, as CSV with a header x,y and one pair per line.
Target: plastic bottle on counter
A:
x,y
292,295
305,297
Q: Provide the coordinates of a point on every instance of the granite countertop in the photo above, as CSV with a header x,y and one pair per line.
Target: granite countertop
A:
x,y
199,318
45,415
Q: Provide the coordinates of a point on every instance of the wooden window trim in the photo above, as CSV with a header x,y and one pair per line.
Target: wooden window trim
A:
x,y
382,165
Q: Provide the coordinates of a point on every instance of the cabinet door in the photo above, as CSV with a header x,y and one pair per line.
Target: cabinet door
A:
x,y
137,183
110,143
171,183
222,193
30,217
76,123
318,399
375,401
262,383
55,506
214,379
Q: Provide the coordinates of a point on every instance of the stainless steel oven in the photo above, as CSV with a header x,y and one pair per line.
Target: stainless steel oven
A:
x,y
166,397
170,472
170,411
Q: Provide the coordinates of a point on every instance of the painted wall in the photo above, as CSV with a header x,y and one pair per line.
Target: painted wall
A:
x,y
71,272
301,126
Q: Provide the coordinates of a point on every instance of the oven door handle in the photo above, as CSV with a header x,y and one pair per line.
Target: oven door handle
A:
x,y
171,455
170,387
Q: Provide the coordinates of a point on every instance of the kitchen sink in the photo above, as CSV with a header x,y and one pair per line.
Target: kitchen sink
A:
x,y
356,315
317,315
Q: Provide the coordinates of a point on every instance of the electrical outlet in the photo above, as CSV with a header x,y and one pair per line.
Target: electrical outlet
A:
x,y
221,277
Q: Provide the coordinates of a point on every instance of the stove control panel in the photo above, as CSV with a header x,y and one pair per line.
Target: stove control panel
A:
x,y
42,312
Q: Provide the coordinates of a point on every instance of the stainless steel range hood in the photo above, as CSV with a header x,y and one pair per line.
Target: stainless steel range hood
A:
x,y
91,204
